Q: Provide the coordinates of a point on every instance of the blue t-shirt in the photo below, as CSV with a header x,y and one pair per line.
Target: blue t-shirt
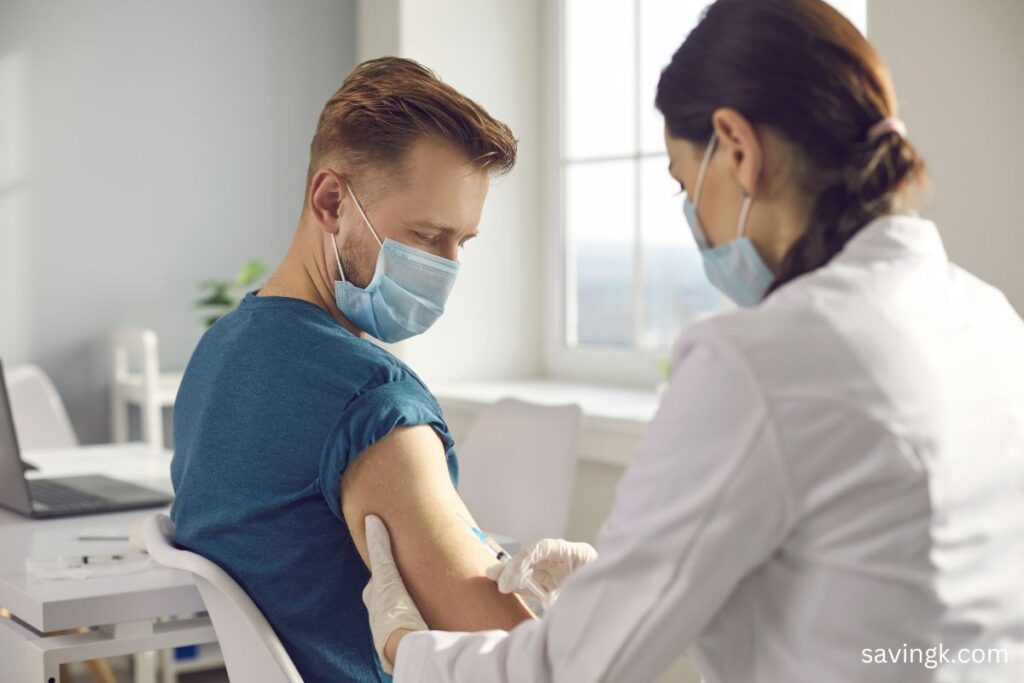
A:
x,y
277,400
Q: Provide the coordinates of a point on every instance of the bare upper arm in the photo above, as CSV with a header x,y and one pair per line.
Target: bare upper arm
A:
x,y
403,478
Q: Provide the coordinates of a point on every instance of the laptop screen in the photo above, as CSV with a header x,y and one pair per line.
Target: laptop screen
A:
x,y
13,489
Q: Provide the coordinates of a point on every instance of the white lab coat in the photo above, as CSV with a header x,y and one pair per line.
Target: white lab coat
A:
x,y
840,469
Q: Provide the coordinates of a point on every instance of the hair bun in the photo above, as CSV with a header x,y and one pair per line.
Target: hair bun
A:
x,y
882,167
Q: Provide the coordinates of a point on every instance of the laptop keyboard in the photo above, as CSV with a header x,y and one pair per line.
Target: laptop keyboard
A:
x,y
60,497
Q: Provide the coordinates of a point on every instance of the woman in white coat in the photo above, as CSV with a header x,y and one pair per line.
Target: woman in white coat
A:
x,y
833,487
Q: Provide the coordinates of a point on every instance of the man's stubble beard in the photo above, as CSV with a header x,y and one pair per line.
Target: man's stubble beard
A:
x,y
359,258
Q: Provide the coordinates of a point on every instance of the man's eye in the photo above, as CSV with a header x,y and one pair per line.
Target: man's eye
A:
x,y
424,237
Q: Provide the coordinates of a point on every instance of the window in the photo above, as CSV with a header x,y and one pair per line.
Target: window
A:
x,y
629,276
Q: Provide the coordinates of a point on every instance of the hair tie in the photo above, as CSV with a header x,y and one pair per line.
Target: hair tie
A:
x,y
889,124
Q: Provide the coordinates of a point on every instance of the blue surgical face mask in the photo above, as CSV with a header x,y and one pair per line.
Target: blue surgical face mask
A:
x,y
735,267
406,295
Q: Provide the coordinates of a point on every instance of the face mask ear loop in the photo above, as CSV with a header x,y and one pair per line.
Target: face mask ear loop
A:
x,y
362,213
744,212
705,162
337,257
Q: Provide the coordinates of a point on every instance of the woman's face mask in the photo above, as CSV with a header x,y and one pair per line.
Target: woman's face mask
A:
x,y
734,267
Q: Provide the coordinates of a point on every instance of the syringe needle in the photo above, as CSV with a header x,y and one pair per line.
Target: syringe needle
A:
x,y
504,558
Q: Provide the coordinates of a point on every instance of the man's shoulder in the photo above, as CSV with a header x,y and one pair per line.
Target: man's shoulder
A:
x,y
295,336
380,367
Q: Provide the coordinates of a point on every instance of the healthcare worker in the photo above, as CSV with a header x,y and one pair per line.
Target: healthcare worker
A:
x,y
833,487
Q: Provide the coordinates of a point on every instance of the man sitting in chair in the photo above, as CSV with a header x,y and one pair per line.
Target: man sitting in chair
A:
x,y
290,427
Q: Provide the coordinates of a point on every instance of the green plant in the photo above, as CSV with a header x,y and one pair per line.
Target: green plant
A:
x,y
221,296
666,368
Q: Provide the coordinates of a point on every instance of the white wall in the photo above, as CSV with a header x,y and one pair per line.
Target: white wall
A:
x,y
145,147
957,67
488,50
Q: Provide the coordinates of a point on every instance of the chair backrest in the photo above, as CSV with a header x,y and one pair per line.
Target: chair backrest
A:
x,y
40,419
517,465
136,352
252,651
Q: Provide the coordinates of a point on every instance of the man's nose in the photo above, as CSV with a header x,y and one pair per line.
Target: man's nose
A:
x,y
450,251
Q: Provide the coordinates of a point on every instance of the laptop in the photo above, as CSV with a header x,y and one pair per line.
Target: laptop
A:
x,y
61,496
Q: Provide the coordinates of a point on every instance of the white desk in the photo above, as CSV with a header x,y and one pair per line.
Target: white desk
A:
x,y
123,608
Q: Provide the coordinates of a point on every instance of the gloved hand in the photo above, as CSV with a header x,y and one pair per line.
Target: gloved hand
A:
x,y
549,561
390,606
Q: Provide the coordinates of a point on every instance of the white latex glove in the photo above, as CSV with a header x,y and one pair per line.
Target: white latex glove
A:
x,y
548,561
390,606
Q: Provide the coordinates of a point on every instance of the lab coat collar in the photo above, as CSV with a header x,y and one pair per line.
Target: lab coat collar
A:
x,y
892,237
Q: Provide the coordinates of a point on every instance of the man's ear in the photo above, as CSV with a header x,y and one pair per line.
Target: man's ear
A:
x,y
326,192
742,147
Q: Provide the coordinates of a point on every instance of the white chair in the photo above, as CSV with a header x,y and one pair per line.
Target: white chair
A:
x,y
137,380
40,420
517,465
252,651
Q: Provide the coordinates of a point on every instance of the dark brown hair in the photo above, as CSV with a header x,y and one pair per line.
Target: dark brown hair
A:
x,y
387,104
802,68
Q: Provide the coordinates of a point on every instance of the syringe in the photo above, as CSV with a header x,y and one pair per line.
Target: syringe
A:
x,y
504,557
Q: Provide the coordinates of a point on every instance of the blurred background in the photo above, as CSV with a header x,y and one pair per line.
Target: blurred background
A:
x,y
146,148
149,148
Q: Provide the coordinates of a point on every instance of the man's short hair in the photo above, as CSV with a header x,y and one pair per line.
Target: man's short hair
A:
x,y
385,105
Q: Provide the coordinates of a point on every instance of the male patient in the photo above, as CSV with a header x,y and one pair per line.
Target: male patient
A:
x,y
290,427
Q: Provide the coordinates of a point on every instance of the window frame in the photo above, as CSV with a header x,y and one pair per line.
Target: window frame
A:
x,y
633,366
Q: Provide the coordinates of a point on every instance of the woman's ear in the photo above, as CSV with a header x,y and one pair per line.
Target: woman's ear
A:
x,y
741,146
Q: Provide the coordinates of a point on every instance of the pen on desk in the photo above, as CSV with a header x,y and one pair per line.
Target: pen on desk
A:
x,y
114,558
101,559
101,538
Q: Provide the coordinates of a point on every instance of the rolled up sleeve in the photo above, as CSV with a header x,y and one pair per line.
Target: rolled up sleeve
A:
x,y
370,416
